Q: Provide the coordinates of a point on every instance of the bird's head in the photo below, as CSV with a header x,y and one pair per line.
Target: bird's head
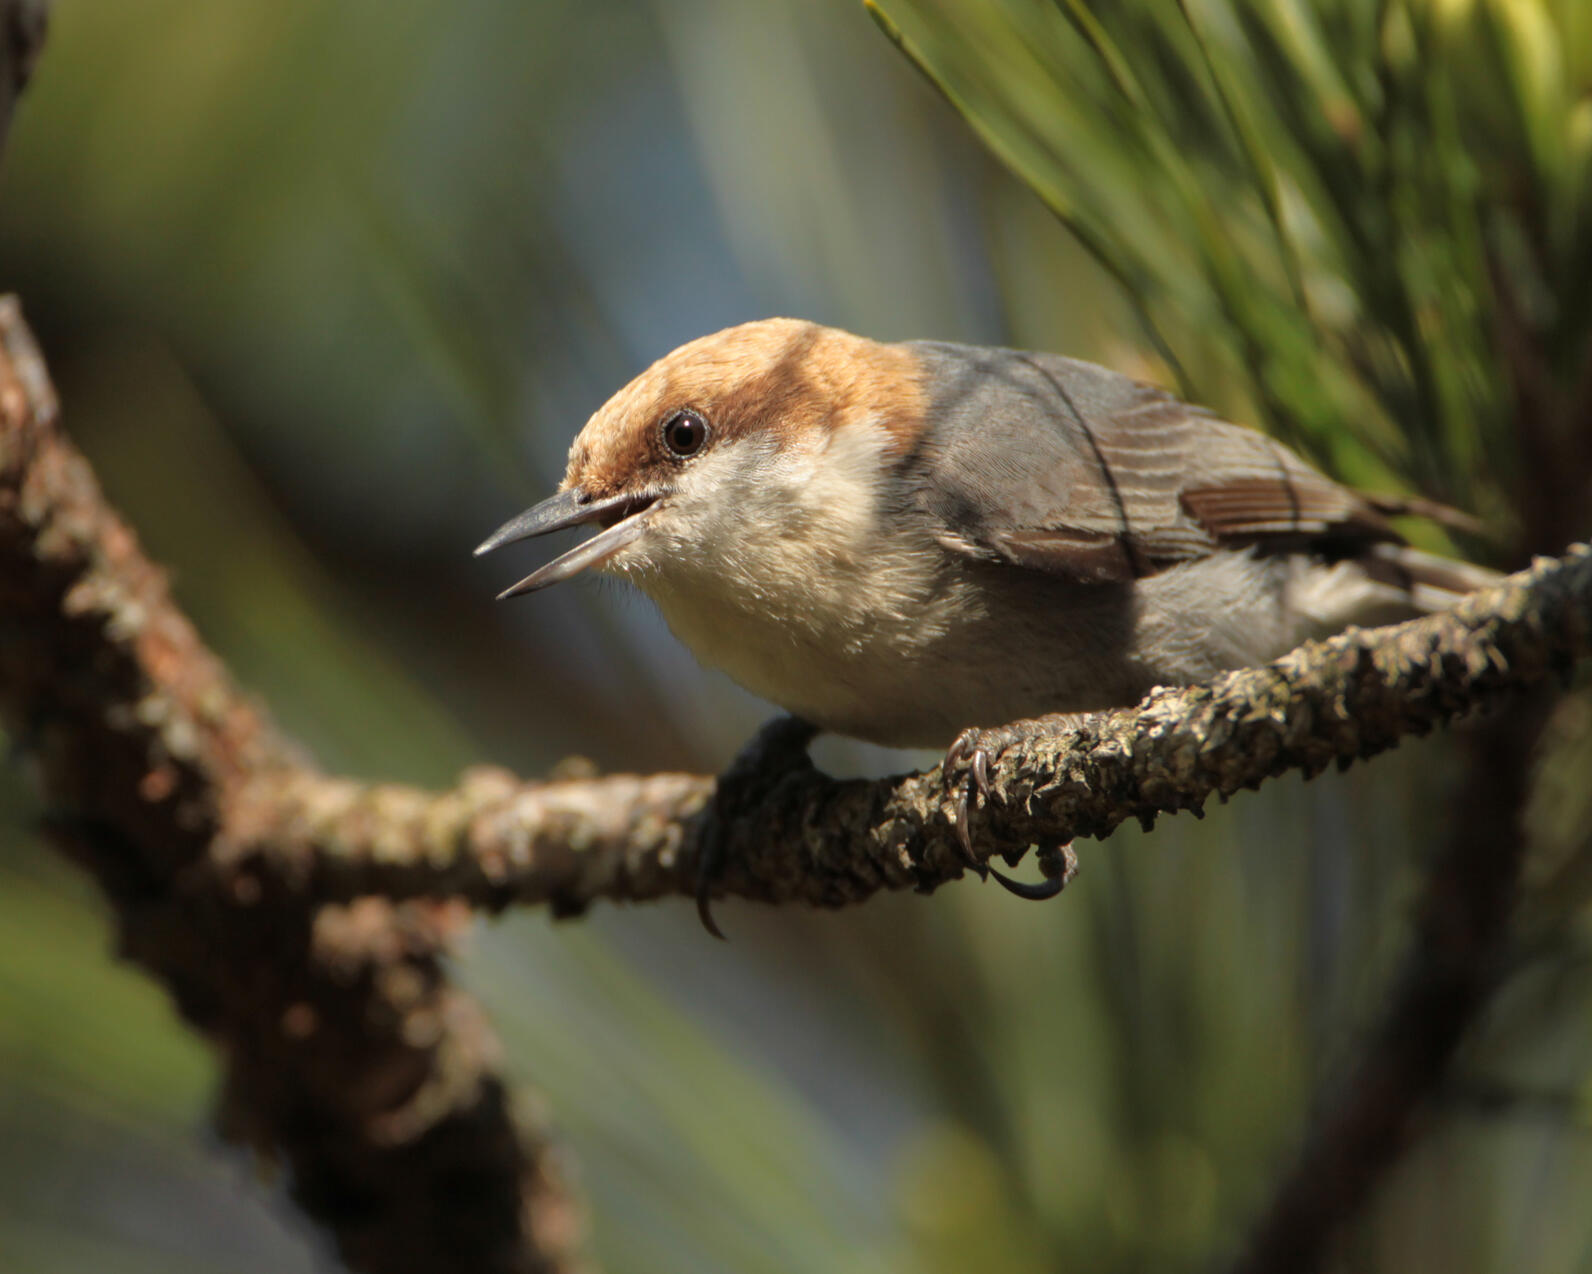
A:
x,y
771,433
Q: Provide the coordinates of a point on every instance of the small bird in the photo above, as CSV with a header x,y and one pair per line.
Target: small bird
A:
x,y
899,542
919,544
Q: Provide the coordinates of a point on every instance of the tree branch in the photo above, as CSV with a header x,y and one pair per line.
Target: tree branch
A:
x,y
345,1048
805,837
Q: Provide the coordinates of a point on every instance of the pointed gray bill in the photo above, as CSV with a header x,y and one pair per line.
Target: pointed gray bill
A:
x,y
564,510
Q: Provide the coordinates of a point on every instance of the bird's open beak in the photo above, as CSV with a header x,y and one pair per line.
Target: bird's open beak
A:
x,y
623,517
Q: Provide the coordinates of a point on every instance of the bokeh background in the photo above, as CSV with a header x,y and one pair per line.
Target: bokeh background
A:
x,y
327,289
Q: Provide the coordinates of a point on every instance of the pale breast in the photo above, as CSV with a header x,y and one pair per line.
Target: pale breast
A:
x,y
848,658
996,645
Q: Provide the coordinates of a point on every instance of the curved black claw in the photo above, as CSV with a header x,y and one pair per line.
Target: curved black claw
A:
x,y
964,833
1060,865
772,753
964,842
975,747
1038,891
704,902
710,862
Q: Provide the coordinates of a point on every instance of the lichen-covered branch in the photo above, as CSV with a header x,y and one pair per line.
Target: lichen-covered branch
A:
x,y
803,837
346,1051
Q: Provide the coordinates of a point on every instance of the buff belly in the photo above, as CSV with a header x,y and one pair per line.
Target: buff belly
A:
x,y
985,645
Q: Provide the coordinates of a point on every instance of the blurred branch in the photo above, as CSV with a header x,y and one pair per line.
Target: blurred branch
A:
x,y
1453,967
22,27
345,1048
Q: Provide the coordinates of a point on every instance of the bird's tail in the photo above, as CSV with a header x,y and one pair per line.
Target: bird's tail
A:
x,y
1385,584
1425,581
1417,506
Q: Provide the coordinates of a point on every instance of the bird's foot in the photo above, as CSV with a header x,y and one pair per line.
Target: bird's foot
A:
x,y
772,753
978,748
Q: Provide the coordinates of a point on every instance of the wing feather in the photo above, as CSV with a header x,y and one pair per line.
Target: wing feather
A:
x,y
1060,466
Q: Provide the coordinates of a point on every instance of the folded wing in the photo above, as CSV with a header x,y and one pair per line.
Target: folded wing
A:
x,y
1061,466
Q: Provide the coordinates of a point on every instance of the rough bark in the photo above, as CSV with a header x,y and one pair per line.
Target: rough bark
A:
x,y
346,1050
804,837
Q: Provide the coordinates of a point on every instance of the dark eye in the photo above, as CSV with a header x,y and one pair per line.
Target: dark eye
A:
x,y
684,433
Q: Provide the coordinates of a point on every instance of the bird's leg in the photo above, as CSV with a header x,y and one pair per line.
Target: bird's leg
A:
x,y
776,750
977,747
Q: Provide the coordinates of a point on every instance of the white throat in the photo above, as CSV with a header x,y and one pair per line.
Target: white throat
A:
x,y
767,564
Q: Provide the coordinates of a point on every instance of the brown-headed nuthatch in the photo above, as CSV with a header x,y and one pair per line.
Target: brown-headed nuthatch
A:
x,y
899,542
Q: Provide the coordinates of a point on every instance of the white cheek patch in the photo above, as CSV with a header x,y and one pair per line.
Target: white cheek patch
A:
x,y
775,521
767,562
843,488
783,525
748,495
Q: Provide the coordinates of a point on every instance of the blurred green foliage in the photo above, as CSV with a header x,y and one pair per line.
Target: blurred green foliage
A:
x,y
1327,214
328,288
